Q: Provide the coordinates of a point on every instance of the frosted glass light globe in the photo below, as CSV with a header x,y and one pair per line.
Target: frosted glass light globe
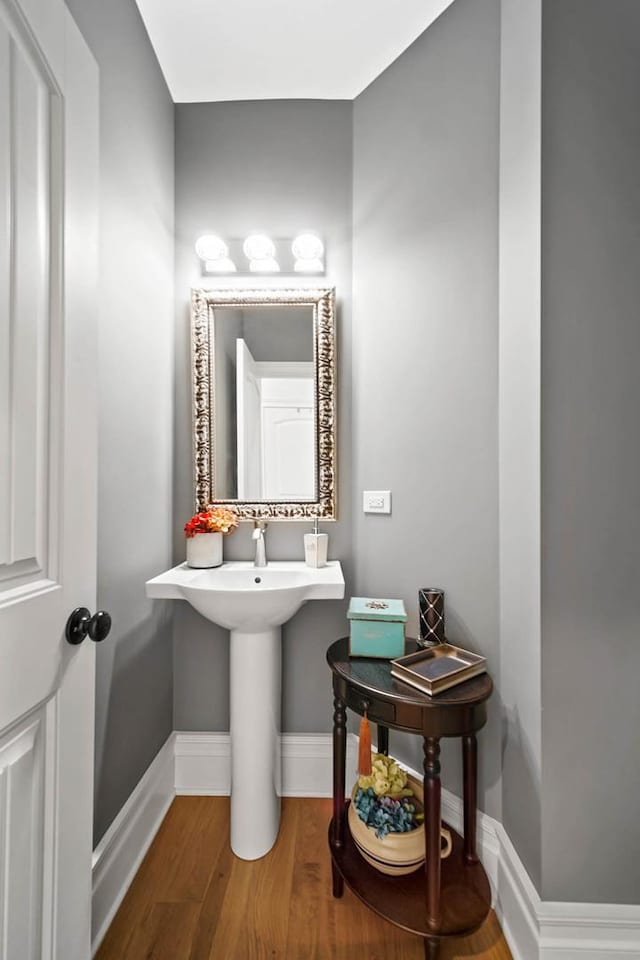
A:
x,y
259,247
307,246
210,247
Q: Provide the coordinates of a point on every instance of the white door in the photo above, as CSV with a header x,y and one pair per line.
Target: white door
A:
x,y
248,404
48,244
288,445
288,453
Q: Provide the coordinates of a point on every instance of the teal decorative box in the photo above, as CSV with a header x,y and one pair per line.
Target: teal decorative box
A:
x,y
377,627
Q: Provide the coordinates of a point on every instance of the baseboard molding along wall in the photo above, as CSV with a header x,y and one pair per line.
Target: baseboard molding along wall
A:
x,y
119,854
200,764
203,764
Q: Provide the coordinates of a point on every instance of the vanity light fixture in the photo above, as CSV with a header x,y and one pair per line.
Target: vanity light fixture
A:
x,y
308,249
260,251
260,255
215,253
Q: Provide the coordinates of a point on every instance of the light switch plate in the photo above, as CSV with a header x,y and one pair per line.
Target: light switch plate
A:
x,y
376,501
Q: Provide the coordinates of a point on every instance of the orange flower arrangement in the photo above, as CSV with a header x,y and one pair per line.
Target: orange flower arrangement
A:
x,y
217,520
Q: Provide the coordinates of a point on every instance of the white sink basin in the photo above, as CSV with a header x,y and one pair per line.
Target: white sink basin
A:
x,y
253,602
250,599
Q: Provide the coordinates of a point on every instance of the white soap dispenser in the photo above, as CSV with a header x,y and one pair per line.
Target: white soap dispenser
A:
x,y
316,547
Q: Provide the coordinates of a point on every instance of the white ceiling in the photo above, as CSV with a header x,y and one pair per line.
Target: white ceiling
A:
x,y
258,50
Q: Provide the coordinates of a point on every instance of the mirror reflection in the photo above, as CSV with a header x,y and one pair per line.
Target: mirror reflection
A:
x,y
264,403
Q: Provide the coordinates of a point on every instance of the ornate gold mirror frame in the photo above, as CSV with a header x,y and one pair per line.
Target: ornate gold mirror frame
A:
x,y
203,306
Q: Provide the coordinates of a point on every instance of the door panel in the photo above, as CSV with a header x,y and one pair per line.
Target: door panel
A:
x,y
30,255
22,805
48,256
30,368
288,444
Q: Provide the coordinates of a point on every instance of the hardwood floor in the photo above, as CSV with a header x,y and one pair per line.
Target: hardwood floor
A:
x,y
193,900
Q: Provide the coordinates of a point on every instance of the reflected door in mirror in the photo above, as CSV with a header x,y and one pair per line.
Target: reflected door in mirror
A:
x,y
287,438
275,428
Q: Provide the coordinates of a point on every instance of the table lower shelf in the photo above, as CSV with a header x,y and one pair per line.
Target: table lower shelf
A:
x,y
465,891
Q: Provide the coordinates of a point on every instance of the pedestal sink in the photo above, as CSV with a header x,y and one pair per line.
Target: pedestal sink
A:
x,y
253,603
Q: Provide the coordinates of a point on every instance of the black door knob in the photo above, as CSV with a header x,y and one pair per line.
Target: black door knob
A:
x,y
81,623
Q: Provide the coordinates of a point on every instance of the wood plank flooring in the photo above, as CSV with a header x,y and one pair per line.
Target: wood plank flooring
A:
x,y
193,900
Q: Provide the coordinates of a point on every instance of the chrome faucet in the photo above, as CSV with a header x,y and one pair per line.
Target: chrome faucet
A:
x,y
260,527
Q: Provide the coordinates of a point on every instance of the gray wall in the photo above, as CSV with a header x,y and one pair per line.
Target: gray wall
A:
x,y
519,427
278,167
279,335
135,376
425,335
591,450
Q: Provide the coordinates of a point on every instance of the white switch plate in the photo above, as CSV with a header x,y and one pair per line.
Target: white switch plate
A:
x,y
376,501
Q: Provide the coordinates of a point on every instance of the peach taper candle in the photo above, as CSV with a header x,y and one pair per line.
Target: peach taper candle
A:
x,y
364,747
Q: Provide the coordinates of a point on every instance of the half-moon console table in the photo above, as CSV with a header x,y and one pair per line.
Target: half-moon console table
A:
x,y
448,898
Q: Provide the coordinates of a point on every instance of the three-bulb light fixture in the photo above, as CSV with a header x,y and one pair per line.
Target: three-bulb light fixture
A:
x,y
259,254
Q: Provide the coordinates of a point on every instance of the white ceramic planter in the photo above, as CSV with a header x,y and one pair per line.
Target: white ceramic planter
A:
x,y
204,550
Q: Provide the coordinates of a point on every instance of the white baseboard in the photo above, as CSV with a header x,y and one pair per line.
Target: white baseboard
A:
x,y
589,931
119,854
536,929
307,764
516,902
203,764
199,763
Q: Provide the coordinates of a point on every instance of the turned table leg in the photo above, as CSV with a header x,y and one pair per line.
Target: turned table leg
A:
x,y
470,774
431,949
432,829
383,739
339,760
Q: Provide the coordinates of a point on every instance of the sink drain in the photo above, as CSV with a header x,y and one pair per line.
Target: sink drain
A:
x,y
258,580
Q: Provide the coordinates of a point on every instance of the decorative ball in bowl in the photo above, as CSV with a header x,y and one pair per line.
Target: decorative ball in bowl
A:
x,y
395,853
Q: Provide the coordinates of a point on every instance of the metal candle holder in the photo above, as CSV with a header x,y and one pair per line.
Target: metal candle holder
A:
x,y
431,602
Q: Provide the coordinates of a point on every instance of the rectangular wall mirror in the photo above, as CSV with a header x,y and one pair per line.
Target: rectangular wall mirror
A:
x,y
264,402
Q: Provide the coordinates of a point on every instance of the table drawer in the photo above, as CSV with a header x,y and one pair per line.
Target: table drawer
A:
x,y
378,711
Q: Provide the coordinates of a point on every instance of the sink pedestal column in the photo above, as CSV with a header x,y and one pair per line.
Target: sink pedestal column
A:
x,y
256,766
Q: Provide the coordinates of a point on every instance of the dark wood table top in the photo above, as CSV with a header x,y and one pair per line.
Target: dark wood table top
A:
x,y
373,676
